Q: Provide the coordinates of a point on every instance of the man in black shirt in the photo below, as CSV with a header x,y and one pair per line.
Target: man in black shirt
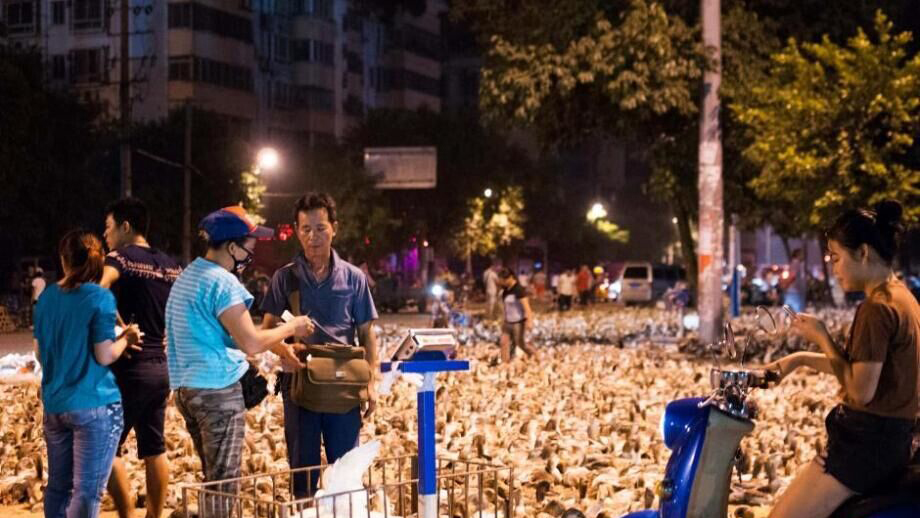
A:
x,y
140,277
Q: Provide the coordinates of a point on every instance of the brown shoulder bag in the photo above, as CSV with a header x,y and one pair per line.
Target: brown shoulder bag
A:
x,y
336,376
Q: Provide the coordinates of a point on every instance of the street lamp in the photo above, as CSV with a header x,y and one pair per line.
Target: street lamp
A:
x,y
267,159
487,193
597,212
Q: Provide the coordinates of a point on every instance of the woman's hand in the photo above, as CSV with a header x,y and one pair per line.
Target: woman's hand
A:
x,y
302,326
810,328
784,366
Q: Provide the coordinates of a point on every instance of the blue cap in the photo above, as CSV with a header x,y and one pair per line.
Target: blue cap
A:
x,y
232,223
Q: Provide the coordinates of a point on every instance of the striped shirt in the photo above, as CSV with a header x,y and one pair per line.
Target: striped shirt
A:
x,y
200,352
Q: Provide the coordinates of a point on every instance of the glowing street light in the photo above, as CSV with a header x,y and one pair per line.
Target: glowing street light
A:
x,y
487,193
597,212
267,159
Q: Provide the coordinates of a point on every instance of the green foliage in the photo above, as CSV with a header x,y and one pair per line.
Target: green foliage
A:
x,y
834,127
253,188
617,73
612,230
491,223
54,171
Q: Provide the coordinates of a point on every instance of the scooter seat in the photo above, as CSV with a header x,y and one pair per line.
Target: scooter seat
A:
x,y
903,493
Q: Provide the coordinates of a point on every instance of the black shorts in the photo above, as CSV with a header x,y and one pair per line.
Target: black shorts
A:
x,y
144,388
866,450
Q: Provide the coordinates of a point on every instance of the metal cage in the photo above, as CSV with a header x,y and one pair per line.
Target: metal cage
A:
x,y
465,489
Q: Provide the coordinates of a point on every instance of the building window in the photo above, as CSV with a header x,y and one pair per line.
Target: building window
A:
x,y
206,19
58,16
282,96
180,68
59,67
222,74
316,8
180,16
313,51
401,79
354,63
352,22
86,65
21,17
315,98
86,15
282,49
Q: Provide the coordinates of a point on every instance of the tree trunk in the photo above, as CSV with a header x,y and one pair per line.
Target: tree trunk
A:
x,y
787,247
711,215
827,283
687,246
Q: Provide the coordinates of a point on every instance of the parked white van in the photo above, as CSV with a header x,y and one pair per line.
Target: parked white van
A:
x,y
636,282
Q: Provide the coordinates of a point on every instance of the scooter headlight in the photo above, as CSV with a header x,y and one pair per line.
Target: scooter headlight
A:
x,y
437,290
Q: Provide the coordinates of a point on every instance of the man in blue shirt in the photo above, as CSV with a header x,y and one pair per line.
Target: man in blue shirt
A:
x,y
336,295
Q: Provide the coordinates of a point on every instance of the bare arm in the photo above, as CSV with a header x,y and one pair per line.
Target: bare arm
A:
x,y
106,352
110,276
367,338
238,322
528,313
858,379
287,353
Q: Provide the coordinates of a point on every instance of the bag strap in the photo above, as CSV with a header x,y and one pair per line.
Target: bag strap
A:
x,y
294,303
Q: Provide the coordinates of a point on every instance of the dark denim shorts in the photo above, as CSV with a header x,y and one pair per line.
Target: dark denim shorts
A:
x,y
866,450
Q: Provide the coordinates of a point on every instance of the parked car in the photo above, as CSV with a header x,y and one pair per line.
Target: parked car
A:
x,y
665,277
636,282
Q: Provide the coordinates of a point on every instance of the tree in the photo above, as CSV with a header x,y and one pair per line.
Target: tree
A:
x,y
614,77
834,127
490,223
55,169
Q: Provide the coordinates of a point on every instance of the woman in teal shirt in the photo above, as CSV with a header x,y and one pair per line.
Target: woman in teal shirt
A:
x,y
75,340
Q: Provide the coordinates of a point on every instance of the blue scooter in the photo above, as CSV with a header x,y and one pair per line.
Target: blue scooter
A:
x,y
704,435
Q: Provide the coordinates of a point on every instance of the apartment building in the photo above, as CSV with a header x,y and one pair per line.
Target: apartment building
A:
x,y
306,70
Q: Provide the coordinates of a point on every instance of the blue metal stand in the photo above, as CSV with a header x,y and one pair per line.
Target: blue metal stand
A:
x,y
427,457
735,293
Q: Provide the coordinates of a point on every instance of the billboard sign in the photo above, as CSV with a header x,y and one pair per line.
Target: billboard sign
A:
x,y
402,167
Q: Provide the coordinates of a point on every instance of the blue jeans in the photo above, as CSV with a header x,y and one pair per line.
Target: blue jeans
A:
x,y
81,448
795,301
305,431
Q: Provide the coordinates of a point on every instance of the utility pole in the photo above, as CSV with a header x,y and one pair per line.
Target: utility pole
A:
x,y
187,188
710,180
124,101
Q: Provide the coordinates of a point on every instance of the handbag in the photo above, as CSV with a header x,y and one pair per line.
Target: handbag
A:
x,y
334,381
255,387
335,378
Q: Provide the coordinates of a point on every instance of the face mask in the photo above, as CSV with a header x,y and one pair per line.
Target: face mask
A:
x,y
240,265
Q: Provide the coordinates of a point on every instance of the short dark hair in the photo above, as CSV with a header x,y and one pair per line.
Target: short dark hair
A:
x,y
82,252
132,210
506,272
879,228
316,200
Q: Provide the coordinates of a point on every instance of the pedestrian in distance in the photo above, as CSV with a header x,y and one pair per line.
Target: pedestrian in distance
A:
x,y
518,316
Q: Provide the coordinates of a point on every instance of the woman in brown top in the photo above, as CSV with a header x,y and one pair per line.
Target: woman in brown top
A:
x,y
869,432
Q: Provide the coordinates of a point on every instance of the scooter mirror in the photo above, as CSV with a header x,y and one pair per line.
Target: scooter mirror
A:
x,y
788,316
728,341
765,320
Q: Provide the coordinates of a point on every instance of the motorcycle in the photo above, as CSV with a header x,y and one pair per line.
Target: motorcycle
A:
x,y
704,435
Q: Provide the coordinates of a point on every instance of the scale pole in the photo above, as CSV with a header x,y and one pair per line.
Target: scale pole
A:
x,y
427,460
